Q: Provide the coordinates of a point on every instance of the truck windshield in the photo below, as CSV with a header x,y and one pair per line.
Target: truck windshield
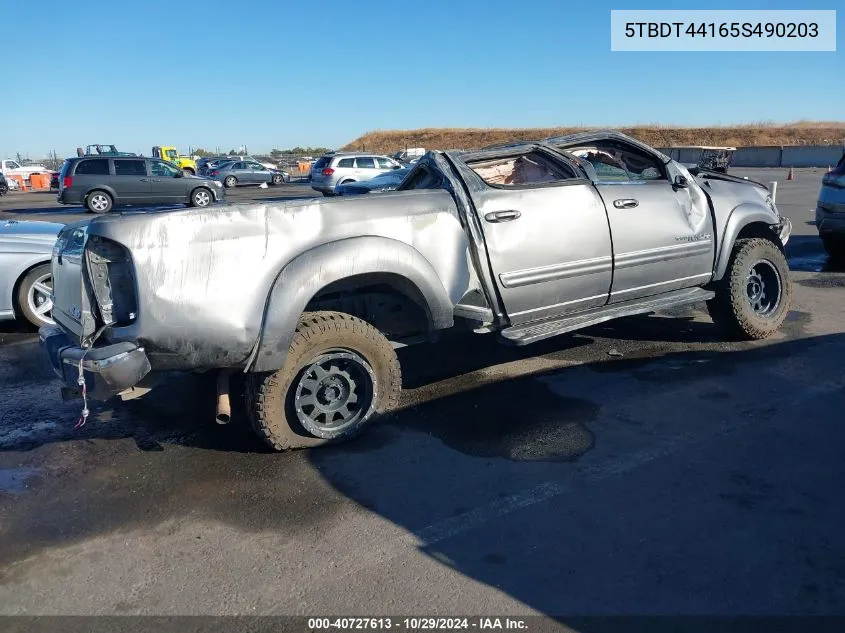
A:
x,y
171,154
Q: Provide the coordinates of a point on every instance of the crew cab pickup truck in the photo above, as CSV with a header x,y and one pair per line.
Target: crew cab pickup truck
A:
x,y
310,298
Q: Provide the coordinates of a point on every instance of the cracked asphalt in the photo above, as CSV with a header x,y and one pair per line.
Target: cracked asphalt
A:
x,y
640,467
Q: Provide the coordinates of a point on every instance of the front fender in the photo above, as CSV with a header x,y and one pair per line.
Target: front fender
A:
x,y
303,277
741,216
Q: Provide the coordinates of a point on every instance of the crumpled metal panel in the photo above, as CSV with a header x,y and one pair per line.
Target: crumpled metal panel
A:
x,y
204,275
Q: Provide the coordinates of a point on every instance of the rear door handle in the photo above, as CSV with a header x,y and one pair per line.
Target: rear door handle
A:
x,y
502,216
156,179
625,203
144,180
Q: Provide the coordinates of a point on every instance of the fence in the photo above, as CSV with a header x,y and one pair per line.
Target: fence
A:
x,y
769,156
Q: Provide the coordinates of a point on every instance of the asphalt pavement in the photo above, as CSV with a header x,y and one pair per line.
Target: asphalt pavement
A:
x,y
639,467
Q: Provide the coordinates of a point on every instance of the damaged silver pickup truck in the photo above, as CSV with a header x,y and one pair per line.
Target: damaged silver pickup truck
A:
x,y
310,298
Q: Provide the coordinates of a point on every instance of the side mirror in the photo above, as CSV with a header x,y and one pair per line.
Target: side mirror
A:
x,y
680,182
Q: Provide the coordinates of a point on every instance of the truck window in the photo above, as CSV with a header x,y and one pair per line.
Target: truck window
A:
x,y
526,169
615,163
95,166
10,164
423,178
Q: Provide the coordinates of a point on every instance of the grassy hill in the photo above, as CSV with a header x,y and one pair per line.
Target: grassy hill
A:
x,y
798,133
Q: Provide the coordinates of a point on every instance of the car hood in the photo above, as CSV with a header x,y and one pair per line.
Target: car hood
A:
x,y
27,229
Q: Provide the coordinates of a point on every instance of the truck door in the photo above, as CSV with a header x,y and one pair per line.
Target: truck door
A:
x,y
546,232
662,233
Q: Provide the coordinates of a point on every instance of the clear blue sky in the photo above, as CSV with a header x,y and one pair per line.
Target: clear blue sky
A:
x,y
276,73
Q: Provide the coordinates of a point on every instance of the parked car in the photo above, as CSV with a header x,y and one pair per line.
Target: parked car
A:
x,y
830,210
25,279
339,168
4,185
310,299
204,165
234,173
102,183
387,181
54,180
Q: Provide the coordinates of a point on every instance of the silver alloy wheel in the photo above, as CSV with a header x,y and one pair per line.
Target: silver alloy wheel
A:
x,y
335,392
39,298
278,179
763,288
230,181
99,202
202,199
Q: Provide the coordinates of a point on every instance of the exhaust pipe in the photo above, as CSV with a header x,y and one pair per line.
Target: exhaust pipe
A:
x,y
224,408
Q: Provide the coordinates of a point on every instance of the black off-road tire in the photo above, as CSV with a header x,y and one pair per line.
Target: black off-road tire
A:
x,y
835,246
731,310
270,396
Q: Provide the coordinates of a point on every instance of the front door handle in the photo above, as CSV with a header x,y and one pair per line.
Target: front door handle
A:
x,y
502,216
625,203
156,179
144,180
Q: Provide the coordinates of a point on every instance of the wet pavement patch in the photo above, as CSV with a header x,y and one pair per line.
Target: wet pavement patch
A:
x,y
13,480
823,281
521,420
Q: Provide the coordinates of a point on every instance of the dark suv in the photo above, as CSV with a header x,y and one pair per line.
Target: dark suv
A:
x,y
100,183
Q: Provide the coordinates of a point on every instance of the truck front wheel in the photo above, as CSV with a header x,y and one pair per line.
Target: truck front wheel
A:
x,y
754,296
339,376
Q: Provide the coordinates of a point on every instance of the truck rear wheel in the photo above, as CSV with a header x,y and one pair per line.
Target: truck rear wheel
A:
x,y
340,375
754,296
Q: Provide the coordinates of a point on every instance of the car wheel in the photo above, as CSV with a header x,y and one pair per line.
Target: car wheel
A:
x,y
340,375
277,179
834,245
230,182
754,296
34,297
99,202
201,197
188,171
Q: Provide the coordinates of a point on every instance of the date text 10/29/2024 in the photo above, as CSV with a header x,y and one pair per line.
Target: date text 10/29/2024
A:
x,y
419,624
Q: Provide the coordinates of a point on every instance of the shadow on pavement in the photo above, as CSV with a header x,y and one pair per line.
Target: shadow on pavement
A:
x,y
675,536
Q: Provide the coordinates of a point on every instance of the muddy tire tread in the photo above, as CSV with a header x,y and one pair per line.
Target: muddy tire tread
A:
x,y
729,309
265,404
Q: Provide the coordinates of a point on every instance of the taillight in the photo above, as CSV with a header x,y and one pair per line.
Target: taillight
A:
x,y
328,171
213,172
67,182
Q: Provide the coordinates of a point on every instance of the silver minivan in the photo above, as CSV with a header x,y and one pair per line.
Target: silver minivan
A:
x,y
340,168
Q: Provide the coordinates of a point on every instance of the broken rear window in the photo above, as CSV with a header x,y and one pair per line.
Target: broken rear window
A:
x,y
526,169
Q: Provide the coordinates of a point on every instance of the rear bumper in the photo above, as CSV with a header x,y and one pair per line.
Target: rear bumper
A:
x,y
66,196
830,222
107,369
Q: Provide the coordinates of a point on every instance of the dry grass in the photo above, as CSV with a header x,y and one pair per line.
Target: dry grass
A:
x,y
761,133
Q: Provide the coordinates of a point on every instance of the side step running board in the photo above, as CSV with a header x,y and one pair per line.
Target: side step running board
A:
x,y
532,332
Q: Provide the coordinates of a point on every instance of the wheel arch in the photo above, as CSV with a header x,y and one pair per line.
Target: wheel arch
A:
x,y
745,221
105,188
346,265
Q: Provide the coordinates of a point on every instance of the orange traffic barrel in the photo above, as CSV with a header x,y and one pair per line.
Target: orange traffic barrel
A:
x,y
18,179
39,181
